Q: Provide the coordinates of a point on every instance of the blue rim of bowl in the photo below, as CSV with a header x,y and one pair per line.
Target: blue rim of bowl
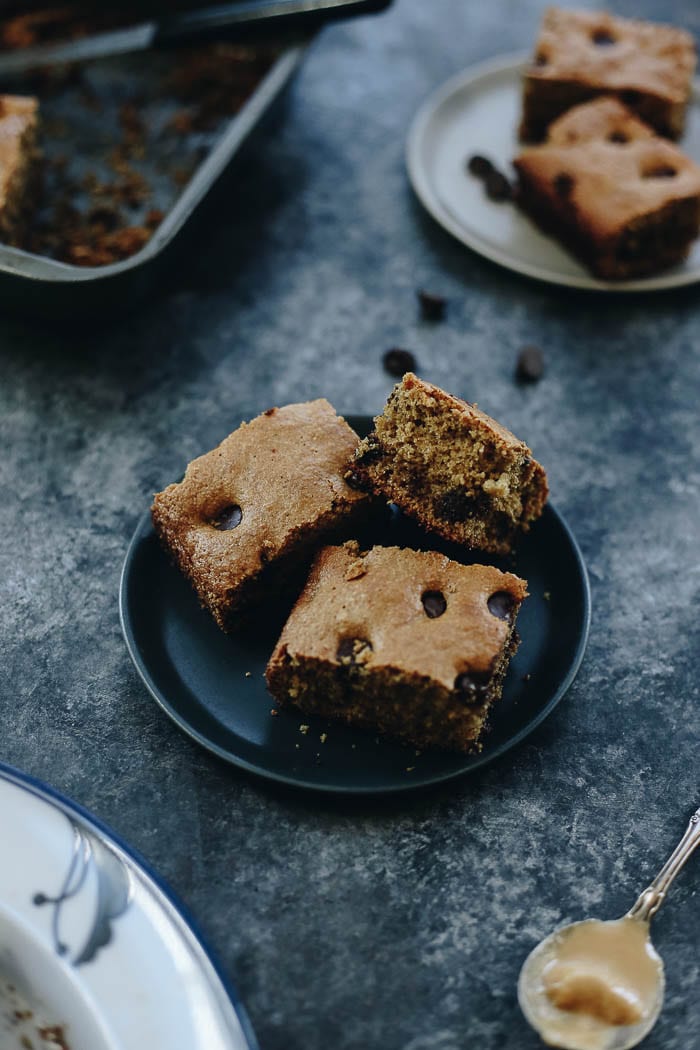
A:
x,y
478,762
66,805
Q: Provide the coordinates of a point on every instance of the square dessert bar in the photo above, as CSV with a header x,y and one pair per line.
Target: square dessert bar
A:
x,y
404,642
19,167
455,470
248,516
582,54
625,201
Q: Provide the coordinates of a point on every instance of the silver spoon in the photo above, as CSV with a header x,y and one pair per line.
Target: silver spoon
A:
x,y
617,955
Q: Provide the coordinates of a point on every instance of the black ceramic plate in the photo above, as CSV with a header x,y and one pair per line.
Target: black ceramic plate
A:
x,y
212,684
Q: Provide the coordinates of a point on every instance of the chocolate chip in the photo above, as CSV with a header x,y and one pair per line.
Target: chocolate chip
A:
x,y
354,481
541,59
434,603
479,166
228,518
563,184
352,651
498,188
603,38
397,362
432,307
618,136
501,605
369,451
458,505
662,171
472,686
529,367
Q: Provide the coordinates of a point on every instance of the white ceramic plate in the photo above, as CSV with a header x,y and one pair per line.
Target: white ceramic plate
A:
x,y
478,111
92,945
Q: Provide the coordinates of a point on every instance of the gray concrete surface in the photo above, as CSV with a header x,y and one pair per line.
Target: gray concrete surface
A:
x,y
380,926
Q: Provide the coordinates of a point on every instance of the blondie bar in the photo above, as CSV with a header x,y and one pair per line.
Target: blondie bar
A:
x,y
248,516
623,200
582,54
408,643
450,466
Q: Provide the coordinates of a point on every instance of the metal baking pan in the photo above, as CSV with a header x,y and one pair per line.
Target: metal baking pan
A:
x,y
53,289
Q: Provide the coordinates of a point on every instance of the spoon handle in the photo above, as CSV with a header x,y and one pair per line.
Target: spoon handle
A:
x,y
651,899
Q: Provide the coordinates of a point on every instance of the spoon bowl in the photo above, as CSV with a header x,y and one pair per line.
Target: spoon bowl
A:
x,y
596,985
581,1031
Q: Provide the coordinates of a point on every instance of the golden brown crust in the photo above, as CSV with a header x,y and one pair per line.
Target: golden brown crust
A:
x,y
456,470
384,638
283,474
580,54
605,174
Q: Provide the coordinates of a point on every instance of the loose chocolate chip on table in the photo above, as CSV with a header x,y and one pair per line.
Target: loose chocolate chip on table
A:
x,y
432,306
434,603
228,518
479,166
472,686
603,38
397,362
530,364
563,184
501,605
498,188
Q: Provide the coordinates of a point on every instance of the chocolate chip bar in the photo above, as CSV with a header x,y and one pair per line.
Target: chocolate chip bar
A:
x,y
455,470
407,643
248,516
623,200
19,165
580,55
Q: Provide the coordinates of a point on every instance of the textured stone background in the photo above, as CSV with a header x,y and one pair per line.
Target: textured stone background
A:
x,y
379,925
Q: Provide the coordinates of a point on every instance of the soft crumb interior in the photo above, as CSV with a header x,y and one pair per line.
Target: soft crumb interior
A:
x,y
412,709
452,472
416,711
